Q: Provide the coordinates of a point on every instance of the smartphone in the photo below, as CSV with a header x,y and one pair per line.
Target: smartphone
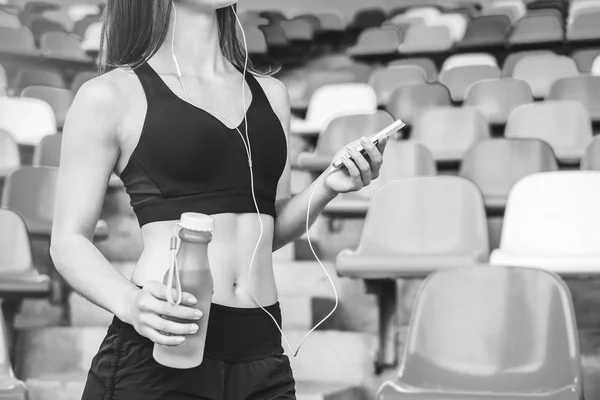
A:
x,y
386,132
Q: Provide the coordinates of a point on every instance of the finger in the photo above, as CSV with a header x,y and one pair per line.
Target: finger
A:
x,y
372,151
381,144
161,307
362,164
159,338
159,291
164,325
351,167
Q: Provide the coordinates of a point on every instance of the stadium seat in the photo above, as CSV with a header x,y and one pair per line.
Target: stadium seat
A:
x,y
361,72
255,38
429,14
536,29
298,29
514,10
386,80
584,89
3,77
496,98
367,18
38,77
340,132
47,152
484,333
449,132
596,66
563,124
62,45
558,5
551,222
585,59
511,60
80,11
8,20
30,191
584,27
275,36
82,25
19,277
28,120
591,159
331,21
404,159
425,63
59,99
485,32
61,16
13,40
468,59
408,102
426,39
39,26
541,71
301,90
10,158
456,23
332,101
376,41
459,79
415,226
80,79
496,165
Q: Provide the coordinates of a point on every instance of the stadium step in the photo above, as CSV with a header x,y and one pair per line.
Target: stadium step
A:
x,y
326,356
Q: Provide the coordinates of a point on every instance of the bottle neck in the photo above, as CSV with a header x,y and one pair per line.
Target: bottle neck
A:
x,y
199,237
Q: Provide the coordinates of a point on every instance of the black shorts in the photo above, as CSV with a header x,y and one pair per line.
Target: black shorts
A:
x,y
243,360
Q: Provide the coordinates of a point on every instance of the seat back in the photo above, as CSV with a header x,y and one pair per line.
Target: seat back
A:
x,y
487,30
553,214
47,152
585,26
15,249
585,59
508,67
449,132
298,29
10,157
386,80
469,59
27,119
459,79
496,98
425,216
456,24
38,77
367,18
591,159
373,41
408,102
8,20
496,330
255,38
564,124
80,79
584,89
424,39
333,100
541,71
17,40
39,26
425,63
537,28
496,165
62,45
59,99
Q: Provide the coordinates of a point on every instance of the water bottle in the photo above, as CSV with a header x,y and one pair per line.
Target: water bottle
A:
x,y
189,272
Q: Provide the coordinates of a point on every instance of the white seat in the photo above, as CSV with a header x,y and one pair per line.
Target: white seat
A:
x,y
463,60
456,24
29,120
552,221
540,71
80,11
596,66
9,20
92,38
331,101
429,14
10,158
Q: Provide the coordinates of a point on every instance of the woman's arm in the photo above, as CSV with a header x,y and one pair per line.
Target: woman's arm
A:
x,y
90,148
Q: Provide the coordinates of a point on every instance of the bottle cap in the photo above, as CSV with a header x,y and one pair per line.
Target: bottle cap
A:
x,y
197,222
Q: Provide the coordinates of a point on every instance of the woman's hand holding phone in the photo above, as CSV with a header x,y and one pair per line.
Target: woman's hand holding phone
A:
x,y
358,170
147,311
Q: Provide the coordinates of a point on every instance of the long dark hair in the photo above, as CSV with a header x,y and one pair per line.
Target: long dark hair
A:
x,y
134,30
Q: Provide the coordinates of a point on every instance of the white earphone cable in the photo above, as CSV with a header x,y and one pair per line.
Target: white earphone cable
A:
x,y
249,153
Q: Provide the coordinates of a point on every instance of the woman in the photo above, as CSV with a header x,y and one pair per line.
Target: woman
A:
x,y
175,156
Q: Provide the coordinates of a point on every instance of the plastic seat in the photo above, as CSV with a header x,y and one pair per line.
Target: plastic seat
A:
x,y
415,226
82,25
469,59
539,28
551,222
425,63
62,45
331,101
486,31
496,165
14,40
429,14
80,79
584,27
331,21
541,71
503,333
59,99
61,16
584,89
376,41
509,63
496,98
367,18
564,124
426,39
39,26
47,152
301,90
255,38
93,37
596,66
585,59
8,20
513,10
456,24
591,159
298,29
338,133
361,72
459,79
274,35
449,132
80,11
38,77
18,275
408,102
28,120
386,80
30,191
557,5
10,158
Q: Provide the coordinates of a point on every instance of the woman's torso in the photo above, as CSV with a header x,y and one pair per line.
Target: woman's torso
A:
x,y
236,233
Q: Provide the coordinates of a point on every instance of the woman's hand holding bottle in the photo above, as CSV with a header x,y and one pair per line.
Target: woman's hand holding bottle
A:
x,y
150,307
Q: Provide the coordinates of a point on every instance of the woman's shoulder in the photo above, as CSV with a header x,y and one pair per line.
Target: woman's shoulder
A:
x,y
276,93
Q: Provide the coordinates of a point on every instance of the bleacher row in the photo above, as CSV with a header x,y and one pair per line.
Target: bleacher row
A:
x,y
505,131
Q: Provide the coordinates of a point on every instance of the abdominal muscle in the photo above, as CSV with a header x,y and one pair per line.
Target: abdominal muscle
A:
x,y
229,254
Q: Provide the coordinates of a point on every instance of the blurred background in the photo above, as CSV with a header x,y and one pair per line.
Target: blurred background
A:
x,y
466,271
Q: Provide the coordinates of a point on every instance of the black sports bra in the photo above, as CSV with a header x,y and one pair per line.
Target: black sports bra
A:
x,y
187,160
